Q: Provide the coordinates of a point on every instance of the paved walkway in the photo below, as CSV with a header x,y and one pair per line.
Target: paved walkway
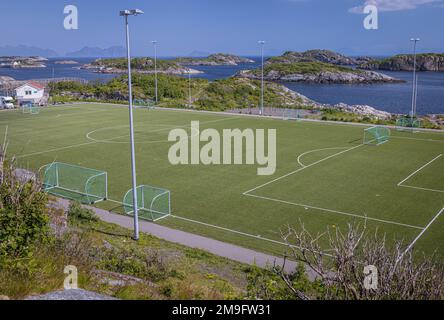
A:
x,y
216,247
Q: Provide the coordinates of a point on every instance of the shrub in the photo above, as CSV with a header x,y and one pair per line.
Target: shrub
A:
x,y
24,221
78,213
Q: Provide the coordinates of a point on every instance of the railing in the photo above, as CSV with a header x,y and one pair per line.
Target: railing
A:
x,y
11,85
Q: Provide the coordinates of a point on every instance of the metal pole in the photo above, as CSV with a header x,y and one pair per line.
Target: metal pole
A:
x,y
133,155
261,111
414,86
155,69
189,87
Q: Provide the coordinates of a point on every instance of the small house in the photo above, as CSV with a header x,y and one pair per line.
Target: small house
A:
x,y
30,92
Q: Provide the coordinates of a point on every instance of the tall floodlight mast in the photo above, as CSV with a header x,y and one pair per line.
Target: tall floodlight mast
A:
x,y
415,80
262,44
126,14
155,70
189,87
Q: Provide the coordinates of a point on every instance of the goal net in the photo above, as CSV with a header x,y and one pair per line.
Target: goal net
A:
x,y
149,104
407,124
152,203
376,135
291,114
74,182
31,108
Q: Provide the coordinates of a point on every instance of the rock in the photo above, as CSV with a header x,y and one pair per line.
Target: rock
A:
x,y
24,175
363,110
73,294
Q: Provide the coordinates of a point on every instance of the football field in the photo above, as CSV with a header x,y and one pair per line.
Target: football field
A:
x,y
325,176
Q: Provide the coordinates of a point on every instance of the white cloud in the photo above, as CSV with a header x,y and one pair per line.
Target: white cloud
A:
x,y
392,5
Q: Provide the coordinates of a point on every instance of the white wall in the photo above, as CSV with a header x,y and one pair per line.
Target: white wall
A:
x,y
27,92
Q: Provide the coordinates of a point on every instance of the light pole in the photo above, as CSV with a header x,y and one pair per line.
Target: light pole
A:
x,y
126,13
155,68
189,87
415,83
262,43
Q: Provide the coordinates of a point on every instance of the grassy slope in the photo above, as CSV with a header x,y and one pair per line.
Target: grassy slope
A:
x,y
169,271
173,91
362,181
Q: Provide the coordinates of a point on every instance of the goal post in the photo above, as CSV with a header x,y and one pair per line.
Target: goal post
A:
x,y
291,114
30,108
148,104
408,124
153,203
75,182
376,135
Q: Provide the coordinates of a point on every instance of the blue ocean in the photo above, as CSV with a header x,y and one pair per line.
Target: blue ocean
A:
x,y
395,98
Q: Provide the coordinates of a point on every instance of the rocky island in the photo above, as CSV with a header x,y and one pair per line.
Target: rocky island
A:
x,y
404,62
139,65
22,62
65,62
325,56
316,72
218,59
317,66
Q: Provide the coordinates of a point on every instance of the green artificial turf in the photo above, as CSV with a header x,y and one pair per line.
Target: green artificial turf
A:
x,y
325,177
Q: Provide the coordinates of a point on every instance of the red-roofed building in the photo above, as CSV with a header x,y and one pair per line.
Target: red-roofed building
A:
x,y
30,92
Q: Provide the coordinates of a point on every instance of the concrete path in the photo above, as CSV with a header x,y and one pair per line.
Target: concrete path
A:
x,y
216,247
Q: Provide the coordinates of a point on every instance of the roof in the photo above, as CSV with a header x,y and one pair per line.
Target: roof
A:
x,y
33,84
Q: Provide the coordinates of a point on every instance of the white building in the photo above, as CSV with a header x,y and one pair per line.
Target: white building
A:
x,y
30,92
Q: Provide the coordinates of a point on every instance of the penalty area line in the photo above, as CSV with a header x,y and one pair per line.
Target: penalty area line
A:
x,y
421,233
415,172
303,168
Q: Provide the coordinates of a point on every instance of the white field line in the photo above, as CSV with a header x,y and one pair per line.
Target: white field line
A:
x,y
241,233
300,169
415,172
418,139
93,142
419,188
421,233
167,127
316,150
335,211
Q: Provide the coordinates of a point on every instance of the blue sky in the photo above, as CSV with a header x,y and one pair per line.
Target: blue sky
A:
x,y
233,26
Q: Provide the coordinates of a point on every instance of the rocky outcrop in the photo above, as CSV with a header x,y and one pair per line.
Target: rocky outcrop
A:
x,y
425,62
219,59
322,77
362,110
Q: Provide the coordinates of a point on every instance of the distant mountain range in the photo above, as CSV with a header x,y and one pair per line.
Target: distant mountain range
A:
x,y
23,50
87,52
